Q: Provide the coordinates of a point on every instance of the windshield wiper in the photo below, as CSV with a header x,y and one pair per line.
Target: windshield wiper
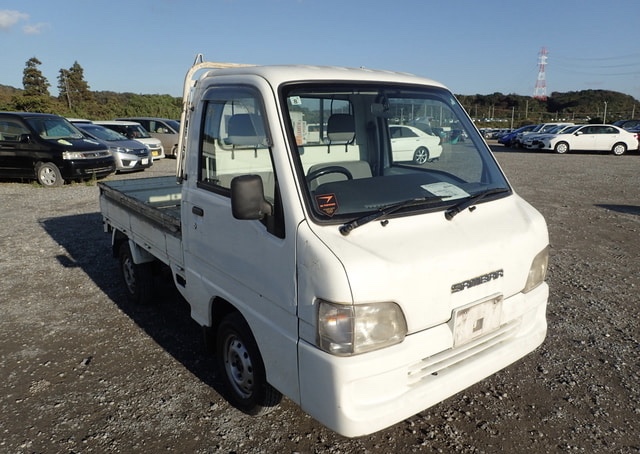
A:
x,y
346,228
472,200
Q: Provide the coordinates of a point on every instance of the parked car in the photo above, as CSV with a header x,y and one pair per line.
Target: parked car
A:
x,y
539,129
628,124
128,154
164,129
534,140
596,137
508,140
409,143
49,149
133,130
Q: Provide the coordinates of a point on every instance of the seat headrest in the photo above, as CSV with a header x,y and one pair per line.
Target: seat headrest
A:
x,y
246,130
341,128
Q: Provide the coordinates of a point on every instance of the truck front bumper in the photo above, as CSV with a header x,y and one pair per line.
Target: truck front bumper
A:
x,y
362,394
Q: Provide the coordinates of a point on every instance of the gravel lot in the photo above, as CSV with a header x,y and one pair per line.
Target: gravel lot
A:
x,y
83,371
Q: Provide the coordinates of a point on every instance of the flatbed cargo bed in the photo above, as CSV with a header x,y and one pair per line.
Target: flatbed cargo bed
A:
x,y
156,198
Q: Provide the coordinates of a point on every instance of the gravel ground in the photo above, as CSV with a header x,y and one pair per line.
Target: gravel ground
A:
x,y
82,371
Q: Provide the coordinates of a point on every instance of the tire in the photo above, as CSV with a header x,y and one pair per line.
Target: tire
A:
x,y
242,369
137,279
561,147
49,175
421,155
619,149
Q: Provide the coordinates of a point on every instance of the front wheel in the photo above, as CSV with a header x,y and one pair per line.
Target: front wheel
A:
x,y
421,155
242,368
49,175
619,149
561,147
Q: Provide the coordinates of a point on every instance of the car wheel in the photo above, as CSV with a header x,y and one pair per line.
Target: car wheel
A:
x,y
137,278
421,155
619,149
242,368
49,175
561,147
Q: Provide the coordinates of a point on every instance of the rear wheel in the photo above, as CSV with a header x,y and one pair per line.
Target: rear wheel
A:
x,y
242,368
137,278
619,149
561,147
49,175
421,155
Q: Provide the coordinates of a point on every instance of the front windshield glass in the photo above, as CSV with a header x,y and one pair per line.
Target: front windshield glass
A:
x,y
362,148
103,133
53,128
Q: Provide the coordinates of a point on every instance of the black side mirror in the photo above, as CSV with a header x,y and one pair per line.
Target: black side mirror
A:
x,y
247,198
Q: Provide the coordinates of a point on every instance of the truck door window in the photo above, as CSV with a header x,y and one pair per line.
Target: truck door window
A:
x,y
234,141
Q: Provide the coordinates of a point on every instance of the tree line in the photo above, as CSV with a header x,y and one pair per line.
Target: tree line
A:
x,y
75,99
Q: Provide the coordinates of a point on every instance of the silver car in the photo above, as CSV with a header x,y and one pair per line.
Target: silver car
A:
x,y
128,154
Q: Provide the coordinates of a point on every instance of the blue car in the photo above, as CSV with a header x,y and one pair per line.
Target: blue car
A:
x,y
508,140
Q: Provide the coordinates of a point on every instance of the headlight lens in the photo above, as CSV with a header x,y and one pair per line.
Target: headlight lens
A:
x,y
345,330
538,270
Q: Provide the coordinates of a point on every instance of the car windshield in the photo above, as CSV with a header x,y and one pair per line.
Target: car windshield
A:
x,y
54,128
174,124
364,148
102,133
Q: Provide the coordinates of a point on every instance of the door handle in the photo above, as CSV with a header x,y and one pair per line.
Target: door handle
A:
x,y
197,211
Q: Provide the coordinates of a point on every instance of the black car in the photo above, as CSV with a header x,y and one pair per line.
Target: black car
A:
x,y
50,149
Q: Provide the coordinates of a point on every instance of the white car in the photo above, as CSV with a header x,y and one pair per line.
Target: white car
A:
x,y
409,143
534,141
598,137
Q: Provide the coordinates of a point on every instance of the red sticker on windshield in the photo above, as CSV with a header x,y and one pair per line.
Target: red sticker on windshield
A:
x,y
327,203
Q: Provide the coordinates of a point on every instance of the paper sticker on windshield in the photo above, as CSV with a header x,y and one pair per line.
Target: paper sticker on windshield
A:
x,y
327,203
447,191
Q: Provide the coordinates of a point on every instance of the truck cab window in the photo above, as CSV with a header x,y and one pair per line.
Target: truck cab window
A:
x,y
234,141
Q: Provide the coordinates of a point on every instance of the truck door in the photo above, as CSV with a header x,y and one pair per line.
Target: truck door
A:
x,y
251,264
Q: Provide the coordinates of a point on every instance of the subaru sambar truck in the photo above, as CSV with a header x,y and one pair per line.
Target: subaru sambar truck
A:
x,y
336,269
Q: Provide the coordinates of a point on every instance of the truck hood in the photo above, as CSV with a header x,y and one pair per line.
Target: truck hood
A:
x,y
417,261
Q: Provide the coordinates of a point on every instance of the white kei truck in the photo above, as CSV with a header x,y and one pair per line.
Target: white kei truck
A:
x,y
366,275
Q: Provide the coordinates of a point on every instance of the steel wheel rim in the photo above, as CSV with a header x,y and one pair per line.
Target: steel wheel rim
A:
x,y
238,366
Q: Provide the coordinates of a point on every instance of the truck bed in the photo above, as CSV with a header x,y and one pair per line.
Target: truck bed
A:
x,y
157,199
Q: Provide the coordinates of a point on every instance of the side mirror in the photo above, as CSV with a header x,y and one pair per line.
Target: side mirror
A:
x,y
247,198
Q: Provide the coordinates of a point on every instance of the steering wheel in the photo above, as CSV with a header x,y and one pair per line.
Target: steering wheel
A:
x,y
329,169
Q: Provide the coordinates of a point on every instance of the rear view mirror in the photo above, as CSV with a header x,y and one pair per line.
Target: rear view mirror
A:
x,y
247,198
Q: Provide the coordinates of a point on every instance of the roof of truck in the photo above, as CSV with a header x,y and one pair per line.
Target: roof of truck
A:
x,y
279,74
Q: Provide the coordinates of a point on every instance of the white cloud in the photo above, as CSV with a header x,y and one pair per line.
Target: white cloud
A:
x,y
34,29
8,18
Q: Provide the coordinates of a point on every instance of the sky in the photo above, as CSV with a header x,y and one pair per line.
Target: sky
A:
x,y
471,46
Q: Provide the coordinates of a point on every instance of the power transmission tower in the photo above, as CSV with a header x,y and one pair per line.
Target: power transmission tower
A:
x,y
540,92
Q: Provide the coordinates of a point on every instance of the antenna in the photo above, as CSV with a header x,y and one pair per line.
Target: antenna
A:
x,y
540,92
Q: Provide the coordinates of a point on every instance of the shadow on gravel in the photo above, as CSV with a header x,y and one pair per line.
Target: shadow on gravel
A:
x,y
626,209
166,320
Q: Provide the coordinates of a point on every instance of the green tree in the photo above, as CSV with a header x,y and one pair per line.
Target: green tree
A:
x,y
74,91
36,96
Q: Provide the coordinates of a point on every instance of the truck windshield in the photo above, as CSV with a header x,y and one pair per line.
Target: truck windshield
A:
x,y
364,147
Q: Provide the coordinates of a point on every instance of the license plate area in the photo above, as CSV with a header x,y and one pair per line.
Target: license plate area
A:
x,y
476,320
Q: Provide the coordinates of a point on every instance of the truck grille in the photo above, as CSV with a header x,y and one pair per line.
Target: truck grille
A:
x,y
429,367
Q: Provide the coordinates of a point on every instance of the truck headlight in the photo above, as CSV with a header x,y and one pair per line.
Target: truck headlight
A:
x,y
345,329
538,270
